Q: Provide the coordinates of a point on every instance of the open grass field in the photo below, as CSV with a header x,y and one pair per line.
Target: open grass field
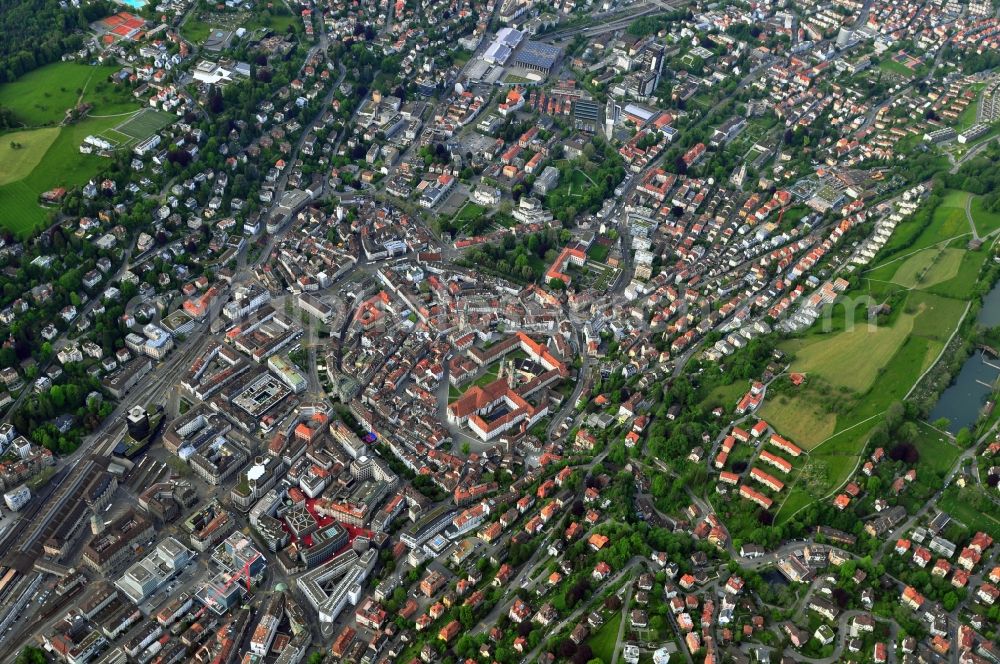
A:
x,y
801,419
985,220
853,358
275,22
797,499
949,221
725,395
954,198
827,468
145,124
937,314
937,452
962,504
41,97
469,212
61,165
51,156
470,218
961,286
859,372
487,377
197,30
20,151
891,66
833,423
928,267
832,460
945,267
907,365
906,271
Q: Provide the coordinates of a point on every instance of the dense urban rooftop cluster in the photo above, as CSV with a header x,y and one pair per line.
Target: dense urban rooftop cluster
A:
x,y
460,331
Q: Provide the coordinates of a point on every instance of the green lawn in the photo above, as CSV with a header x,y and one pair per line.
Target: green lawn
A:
x,y
937,452
725,395
469,212
954,198
833,422
19,209
986,221
42,97
949,219
970,506
828,467
605,639
800,418
277,23
853,358
859,372
196,30
915,356
962,284
927,268
891,66
832,461
938,314
796,500
944,268
470,218
488,377
598,252
20,151
62,165
143,125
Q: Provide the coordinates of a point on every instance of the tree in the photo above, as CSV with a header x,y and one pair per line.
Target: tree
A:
x,y
874,484
879,435
908,432
465,646
466,617
894,415
31,655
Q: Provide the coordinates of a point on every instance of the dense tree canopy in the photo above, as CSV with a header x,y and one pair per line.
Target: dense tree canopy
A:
x,y
37,32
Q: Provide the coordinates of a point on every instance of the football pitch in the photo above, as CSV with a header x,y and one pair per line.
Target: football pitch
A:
x,y
137,128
